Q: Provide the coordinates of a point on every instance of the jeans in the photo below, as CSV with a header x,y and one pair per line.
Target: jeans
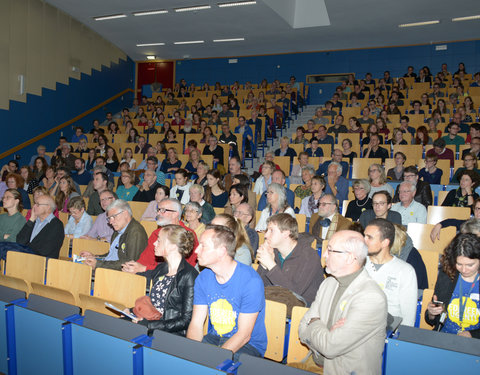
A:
x,y
219,341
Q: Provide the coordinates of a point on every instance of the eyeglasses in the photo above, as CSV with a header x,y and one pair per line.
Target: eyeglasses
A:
x,y
325,204
109,218
337,251
269,192
163,210
107,199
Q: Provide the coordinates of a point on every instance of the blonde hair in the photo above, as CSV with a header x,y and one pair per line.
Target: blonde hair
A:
x,y
179,236
399,241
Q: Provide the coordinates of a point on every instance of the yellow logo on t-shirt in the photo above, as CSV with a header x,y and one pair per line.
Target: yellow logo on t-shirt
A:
x,y
470,315
222,316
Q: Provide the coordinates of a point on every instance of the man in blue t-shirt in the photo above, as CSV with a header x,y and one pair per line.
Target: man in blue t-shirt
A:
x,y
231,293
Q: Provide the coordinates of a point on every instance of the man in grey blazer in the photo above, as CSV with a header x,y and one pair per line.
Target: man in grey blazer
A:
x,y
345,326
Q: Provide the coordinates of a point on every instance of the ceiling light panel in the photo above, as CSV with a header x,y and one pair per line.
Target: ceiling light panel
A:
x,y
468,18
419,23
191,42
228,40
150,57
236,4
150,44
110,17
192,9
150,12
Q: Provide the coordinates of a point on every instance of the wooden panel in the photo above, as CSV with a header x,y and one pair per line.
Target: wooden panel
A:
x,y
119,286
93,246
420,234
275,320
296,350
26,266
427,297
431,260
74,277
436,214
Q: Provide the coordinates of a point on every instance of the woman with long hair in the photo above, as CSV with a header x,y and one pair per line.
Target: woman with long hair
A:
x,y
66,191
456,286
12,221
422,137
30,182
276,204
128,158
171,164
193,160
111,157
215,193
243,252
39,168
378,180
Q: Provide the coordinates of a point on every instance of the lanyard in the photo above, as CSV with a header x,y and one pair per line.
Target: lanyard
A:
x,y
462,302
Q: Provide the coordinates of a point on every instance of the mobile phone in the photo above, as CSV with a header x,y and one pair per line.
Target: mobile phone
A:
x,y
437,303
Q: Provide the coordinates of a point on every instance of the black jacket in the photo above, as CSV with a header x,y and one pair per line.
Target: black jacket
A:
x,y
443,290
48,242
423,194
179,302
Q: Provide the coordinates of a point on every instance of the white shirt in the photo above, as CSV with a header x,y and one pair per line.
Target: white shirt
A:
x,y
398,281
414,213
262,222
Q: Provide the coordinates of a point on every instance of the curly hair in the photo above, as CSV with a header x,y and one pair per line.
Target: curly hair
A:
x,y
463,244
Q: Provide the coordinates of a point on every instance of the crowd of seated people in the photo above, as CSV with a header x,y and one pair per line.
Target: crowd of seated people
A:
x,y
170,156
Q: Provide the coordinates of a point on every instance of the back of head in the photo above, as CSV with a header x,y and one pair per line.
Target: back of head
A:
x,y
181,237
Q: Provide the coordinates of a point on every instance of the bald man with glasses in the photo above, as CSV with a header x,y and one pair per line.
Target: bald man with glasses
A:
x,y
345,326
169,212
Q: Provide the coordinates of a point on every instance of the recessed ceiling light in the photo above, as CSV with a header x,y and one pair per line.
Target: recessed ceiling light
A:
x,y
419,23
228,40
468,18
150,12
150,44
150,57
190,42
190,9
236,4
110,17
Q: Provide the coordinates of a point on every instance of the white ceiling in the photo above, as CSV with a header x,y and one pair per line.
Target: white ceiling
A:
x,y
286,28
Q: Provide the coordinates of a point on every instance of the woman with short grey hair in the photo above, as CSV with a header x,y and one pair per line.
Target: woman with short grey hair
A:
x,y
362,201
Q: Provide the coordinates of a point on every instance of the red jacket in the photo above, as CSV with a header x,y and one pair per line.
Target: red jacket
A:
x,y
148,259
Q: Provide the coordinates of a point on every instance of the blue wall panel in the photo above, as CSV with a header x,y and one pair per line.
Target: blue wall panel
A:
x,y
374,60
24,121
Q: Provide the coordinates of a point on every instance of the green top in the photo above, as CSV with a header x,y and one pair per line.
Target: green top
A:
x,y
11,225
